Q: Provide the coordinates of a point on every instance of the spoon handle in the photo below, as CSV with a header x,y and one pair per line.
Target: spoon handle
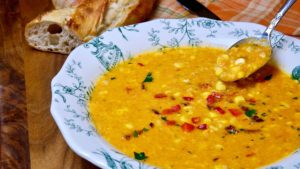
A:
x,y
277,18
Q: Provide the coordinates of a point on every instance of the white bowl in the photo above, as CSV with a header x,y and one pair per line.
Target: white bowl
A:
x,y
72,86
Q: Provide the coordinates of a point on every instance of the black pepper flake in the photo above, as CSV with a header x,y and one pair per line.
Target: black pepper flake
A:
x,y
143,86
231,129
185,104
257,119
264,114
151,125
215,159
127,137
155,111
164,118
295,98
112,78
262,138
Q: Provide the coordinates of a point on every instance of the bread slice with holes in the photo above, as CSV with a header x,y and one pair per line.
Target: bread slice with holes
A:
x,y
62,30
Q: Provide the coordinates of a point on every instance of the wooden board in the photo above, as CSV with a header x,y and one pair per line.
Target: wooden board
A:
x,y
18,62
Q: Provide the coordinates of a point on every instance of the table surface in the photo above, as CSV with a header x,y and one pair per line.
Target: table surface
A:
x,y
29,135
29,138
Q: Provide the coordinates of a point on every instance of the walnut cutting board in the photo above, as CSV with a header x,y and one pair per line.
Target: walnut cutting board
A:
x,y
29,136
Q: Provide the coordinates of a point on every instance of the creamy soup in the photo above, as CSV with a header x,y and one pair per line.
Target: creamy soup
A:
x,y
241,61
169,109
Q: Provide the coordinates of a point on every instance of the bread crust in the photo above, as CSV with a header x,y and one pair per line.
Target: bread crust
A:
x,y
79,24
59,4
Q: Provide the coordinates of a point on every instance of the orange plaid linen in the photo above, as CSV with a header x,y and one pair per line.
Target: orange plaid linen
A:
x,y
257,11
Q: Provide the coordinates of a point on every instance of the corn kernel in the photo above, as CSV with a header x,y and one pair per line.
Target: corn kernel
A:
x,y
183,119
240,61
239,100
220,86
129,126
224,56
249,49
207,120
219,146
187,108
241,74
218,71
262,54
186,80
212,114
177,94
204,95
178,65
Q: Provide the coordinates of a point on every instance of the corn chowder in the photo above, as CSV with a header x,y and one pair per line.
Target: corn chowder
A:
x,y
242,60
169,109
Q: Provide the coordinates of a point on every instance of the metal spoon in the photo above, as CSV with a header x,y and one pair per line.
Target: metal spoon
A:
x,y
233,66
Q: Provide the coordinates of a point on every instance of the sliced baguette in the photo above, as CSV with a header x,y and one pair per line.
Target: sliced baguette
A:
x,y
62,30
59,4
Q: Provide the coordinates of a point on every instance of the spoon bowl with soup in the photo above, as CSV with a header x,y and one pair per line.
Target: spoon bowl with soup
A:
x,y
250,54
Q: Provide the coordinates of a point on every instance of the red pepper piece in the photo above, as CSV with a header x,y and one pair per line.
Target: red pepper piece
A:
x,y
235,112
213,98
219,110
167,111
172,110
196,120
253,101
202,126
210,100
160,95
171,122
186,98
176,108
250,154
187,127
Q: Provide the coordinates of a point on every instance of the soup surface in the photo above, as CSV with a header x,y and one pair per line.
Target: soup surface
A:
x,y
168,109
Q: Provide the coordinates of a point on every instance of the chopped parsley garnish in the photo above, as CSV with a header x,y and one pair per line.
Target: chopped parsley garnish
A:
x,y
145,129
250,113
164,118
135,133
140,156
148,78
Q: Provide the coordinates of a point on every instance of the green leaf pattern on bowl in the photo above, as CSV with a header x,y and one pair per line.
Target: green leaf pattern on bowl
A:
x,y
296,73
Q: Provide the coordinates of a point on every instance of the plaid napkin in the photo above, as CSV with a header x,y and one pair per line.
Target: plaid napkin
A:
x,y
257,11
